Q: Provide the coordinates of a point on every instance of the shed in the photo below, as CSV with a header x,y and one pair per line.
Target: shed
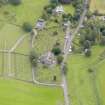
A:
x,y
40,24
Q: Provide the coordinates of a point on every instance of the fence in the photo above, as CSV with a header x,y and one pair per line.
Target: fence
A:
x,y
15,65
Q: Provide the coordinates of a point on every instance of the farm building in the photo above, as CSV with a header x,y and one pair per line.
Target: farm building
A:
x,y
40,24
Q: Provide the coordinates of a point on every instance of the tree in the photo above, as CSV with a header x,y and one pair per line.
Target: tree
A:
x,y
56,51
65,1
27,27
102,41
87,52
59,59
65,69
87,44
15,2
3,2
103,32
33,58
54,1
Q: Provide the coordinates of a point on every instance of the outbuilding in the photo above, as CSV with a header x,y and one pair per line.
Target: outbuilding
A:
x,y
40,24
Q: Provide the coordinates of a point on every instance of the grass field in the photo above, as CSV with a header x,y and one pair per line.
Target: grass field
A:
x,y
11,16
97,5
28,11
20,93
86,88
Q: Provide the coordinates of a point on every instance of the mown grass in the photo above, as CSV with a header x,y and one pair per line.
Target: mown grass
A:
x,y
12,16
97,5
29,10
83,86
20,93
9,35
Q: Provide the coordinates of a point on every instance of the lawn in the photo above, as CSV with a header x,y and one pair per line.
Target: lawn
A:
x,y
100,81
9,35
28,11
97,5
12,16
69,9
20,93
86,88
46,40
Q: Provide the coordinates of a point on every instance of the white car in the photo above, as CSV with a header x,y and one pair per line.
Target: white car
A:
x,y
70,47
70,50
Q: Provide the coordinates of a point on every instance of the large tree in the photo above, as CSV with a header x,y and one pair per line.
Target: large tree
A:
x,y
15,2
65,1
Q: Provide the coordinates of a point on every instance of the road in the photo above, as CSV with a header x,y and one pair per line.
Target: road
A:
x,y
68,43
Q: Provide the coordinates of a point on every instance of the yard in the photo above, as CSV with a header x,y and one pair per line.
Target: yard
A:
x,y
97,5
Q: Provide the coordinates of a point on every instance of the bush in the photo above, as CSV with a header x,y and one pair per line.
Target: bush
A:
x,y
56,51
33,58
60,59
65,69
55,33
87,44
102,41
15,2
27,27
88,53
2,2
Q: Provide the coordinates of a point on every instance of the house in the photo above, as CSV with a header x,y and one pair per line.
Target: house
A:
x,y
59,10
40,24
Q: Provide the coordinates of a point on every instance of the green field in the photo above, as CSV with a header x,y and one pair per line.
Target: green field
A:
x,y
11,17
20,93
85,87
97,5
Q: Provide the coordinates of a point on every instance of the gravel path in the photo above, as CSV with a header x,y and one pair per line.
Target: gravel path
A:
x,y
68,43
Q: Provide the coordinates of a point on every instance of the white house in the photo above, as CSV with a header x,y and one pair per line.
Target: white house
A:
x,y
59,9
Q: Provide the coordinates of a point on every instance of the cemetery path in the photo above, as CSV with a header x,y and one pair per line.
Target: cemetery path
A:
x,y
33,69
18,42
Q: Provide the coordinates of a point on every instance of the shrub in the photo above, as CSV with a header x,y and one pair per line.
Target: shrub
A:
x,y
60,59
56,51
102,41
55,33
33,58
15,2
87,44
27,27
65,69
88,53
